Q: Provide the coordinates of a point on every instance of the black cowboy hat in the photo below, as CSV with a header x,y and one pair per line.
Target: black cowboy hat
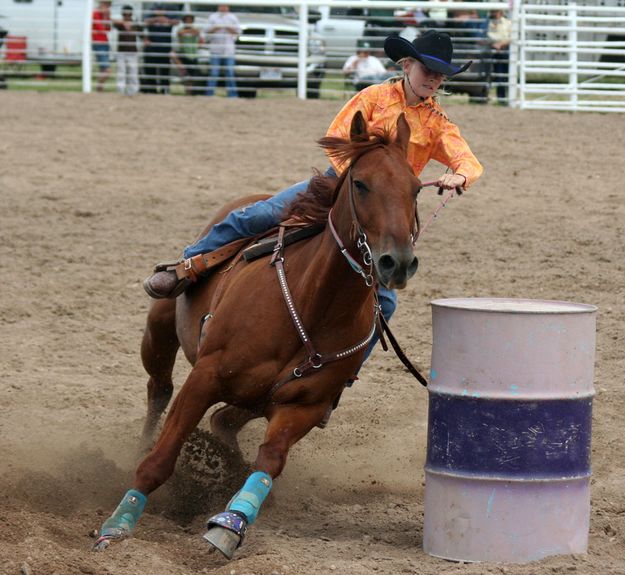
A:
x,y
434,49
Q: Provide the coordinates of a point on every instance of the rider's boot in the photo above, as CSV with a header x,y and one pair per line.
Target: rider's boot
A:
x,y
170,279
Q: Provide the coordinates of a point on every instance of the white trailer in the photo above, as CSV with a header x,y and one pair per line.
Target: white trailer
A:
x,y
50,31
45,30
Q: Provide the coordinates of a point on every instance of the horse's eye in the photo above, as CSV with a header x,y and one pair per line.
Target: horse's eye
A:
x,y
361,187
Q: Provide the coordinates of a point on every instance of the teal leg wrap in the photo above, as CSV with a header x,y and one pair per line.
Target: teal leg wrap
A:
x,y
125,517
251,496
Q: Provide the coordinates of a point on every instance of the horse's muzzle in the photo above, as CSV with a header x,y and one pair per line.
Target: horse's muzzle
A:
x,y
394,269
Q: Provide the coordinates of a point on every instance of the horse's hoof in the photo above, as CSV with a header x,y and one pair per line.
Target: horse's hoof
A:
x,y
107,537
101,543
226,532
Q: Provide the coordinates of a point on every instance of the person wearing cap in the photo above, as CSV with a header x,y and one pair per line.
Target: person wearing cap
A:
x,y
128,32
425,62
364,68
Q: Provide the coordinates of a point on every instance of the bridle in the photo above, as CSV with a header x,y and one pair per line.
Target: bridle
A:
x,y
361,240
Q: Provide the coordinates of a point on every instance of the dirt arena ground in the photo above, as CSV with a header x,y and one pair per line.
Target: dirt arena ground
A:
x,y
95,189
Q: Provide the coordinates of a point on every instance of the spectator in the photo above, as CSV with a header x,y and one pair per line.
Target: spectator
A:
x,y
365,69
157,51
100,28
499,36
437,17
223,29
411,18
469,24
188,39
128,33
3,82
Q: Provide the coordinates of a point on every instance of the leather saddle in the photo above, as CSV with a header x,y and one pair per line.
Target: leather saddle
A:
x,y
265,246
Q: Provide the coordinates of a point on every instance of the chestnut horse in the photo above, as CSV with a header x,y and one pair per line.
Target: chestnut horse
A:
x,y
257,349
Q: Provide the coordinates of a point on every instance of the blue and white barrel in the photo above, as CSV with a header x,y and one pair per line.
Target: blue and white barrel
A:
x,y
509,429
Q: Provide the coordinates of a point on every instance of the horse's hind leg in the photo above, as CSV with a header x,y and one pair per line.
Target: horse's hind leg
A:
x,y
158,353
227,421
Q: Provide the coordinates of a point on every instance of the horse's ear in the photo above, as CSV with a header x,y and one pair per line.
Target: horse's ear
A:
x,y
358,129
403,132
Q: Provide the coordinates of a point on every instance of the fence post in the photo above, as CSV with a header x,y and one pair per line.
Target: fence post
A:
x,y
302,50
86,47
573,75
513,55
522,54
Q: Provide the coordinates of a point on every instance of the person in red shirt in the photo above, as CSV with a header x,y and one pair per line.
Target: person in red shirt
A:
x,y
100,28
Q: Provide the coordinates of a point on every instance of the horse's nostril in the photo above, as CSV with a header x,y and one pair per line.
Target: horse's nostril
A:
x,y
412,268
387,262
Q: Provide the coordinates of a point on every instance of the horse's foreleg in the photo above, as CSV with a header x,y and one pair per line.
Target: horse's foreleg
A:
x,y
197,394
287,425
158,353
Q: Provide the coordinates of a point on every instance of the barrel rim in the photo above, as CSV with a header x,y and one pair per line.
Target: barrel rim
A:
x,y
481,304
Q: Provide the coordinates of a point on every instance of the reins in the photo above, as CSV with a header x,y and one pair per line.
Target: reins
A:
x,y
434,215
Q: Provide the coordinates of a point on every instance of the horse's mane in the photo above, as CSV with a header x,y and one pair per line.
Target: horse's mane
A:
x,y
313,205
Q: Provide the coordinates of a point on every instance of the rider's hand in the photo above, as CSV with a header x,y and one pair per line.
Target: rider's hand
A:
x,y
451,181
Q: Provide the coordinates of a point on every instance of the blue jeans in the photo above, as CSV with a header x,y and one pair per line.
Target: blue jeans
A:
x,y
225,63
262,216
101,53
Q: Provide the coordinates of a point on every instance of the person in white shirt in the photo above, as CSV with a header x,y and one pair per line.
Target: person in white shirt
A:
x,y
222,30
365,69
499,35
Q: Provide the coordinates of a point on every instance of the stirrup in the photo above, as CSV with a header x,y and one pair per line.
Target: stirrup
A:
x,y
167,266
183,272
180,287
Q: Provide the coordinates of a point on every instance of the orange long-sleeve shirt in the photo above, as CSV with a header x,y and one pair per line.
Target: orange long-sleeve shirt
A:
x,y
432,135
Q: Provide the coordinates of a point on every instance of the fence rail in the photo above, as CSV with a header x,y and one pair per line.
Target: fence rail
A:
x,y
563,55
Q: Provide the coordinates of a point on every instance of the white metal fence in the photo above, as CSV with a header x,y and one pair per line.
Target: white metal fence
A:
x,y
571,55
564,55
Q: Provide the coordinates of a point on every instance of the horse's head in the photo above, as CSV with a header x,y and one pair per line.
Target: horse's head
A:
x,y
382,191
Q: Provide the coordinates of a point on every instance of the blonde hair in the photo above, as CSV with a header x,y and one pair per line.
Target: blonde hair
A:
x,y
400,76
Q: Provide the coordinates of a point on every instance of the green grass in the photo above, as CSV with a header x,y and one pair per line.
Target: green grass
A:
x,y
69,79
30,77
